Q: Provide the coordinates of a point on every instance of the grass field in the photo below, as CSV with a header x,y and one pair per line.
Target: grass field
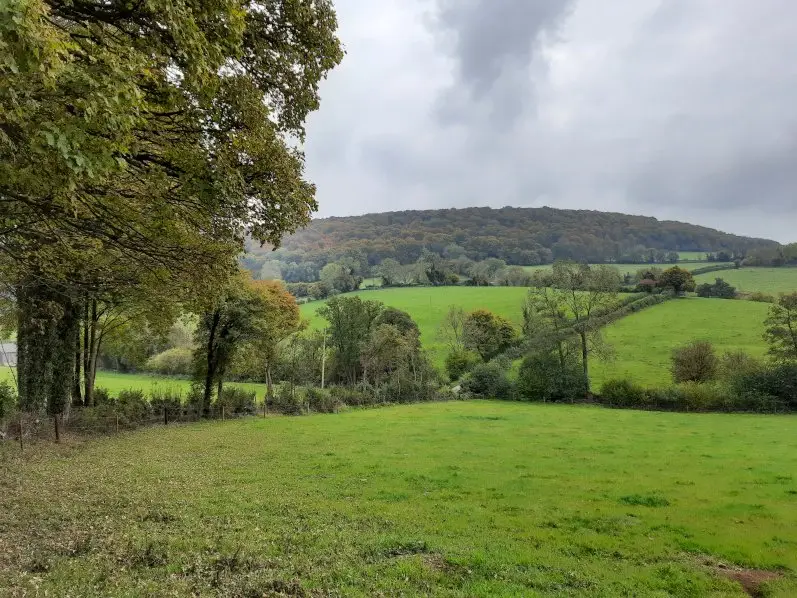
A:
x,y
692,255
749,280
453,499
429,305
115,381
643,342
633,268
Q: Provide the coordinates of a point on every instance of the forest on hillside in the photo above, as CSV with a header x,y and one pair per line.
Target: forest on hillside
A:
x,y
518,236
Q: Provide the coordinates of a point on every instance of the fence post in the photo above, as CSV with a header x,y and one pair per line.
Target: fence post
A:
x,y
165,416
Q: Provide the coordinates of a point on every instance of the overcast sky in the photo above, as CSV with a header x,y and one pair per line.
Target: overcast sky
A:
x,y
679,109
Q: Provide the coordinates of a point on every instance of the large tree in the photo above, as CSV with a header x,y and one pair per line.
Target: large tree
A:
x,y
781,331
139,144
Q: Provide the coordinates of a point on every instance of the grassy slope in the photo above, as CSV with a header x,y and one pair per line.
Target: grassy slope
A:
x,y
114,382
456,499
429,305
749,280
643,342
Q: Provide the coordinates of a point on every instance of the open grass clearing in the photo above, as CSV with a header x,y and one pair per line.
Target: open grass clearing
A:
x,y
750,280
115,382
454,499
643,342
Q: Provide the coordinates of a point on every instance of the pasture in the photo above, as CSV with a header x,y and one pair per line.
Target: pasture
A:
x,y
750,280
116,381
643,342
634,268
446,499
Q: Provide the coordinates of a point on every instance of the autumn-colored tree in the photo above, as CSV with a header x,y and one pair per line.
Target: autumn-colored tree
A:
x,y
278,318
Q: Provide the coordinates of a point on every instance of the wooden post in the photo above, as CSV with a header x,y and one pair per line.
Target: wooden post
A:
x,y
165,416
265,406
57,431
323,357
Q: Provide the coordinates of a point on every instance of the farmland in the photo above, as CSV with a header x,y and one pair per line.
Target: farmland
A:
x,y
643,342
634,268
116,381
750,280
447,499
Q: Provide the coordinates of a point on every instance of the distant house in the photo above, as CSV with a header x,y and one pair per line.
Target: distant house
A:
x,y
8,353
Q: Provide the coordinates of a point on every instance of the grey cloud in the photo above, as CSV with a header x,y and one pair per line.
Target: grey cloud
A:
x,y
680,109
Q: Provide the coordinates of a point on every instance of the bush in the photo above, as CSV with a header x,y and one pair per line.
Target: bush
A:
x,y
695,362
169,399
237,401
8,399
760,297
287,401
623,393
542,377
737,363
132,407
720,289
767,389
696,396
172,362
102,396
488,380
321,401
459,362
352,397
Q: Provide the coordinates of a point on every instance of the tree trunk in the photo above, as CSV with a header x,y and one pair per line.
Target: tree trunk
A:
x,y
211,363
219,389
77,393
269,383
91,348
584,362
86,348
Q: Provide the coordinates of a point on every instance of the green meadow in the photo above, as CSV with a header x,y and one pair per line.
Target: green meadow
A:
x,y
634,268
643,342
750,280
116,381
445,499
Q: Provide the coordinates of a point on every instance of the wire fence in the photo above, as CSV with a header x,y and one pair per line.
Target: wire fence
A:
x,y
24,428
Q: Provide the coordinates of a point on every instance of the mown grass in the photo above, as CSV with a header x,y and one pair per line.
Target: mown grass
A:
x,y
643,342
750,280
455,499
115,382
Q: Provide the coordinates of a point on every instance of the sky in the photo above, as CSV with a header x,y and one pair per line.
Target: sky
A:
x,y
679,109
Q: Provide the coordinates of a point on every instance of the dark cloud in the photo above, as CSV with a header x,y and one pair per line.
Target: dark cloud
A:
x,y
680,109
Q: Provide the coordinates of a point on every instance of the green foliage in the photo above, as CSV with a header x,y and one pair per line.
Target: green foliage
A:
x,y
695,362
488,380
8,399
767,389
459,361
623,393
350,322
548,376
102,396
177,361
340,278
677,279
487,333
237,401
720,289
760,297
781,332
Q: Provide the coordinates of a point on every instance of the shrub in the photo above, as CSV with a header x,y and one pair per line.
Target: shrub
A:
x,y
488,380
132,407
542,377
459,362
288,401
695,362
767,389
237,401
353,397
760,297
102,396
8,399
720,289
623,393
166,398
737,363
172,362
321,401
696,396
